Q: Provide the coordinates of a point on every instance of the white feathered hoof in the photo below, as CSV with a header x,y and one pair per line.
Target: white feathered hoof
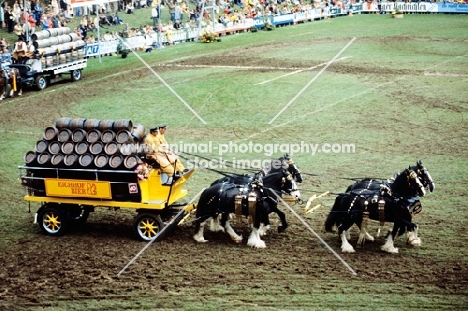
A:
x,y
199,238
257,244
389,249
413,240
347,249
238,239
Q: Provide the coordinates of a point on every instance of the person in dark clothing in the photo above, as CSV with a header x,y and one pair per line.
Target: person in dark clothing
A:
x,y
9,20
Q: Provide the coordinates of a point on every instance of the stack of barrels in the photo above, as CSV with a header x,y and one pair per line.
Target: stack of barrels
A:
x,y
58,46
89,144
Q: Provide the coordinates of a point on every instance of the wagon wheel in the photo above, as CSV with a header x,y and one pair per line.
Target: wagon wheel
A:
x,y
41,82
52,221
78,214
147,225
76,75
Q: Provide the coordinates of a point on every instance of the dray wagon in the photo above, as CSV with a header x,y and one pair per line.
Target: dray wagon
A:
x,y
68,186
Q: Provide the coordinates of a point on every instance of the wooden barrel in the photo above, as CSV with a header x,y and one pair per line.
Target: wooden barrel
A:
x,y
53,41
96,148
91,124
66,30
81,147
116,161
63,48
94,135
42,43
100,161
49,61
127,149
43,159
55,60
79,44
107,136
73,37
120,125
41,146
64,135
111,148
62,123
74,55
54,147
138,132
54,32
68,57
86,160
62,59
79,135
68,147
57,159
71,160
39,35
123,136
64,39
81,54
106,125
30,158
50,133
47,51
76,123
131,161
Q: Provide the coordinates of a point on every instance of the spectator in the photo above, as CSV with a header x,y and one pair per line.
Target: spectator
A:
x,y
116,19
18,30
44,22
54,7
16,12
37,9
171,5
9,19
129,8
155,15
6,61
64,8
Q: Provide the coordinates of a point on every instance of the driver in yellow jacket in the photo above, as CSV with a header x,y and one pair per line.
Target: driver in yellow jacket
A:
x,y
158,149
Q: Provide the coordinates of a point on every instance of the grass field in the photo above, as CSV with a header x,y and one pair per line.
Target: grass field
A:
x,y
397,92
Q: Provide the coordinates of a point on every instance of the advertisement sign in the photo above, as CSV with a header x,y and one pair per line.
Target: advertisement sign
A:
x,y
80,3
77,188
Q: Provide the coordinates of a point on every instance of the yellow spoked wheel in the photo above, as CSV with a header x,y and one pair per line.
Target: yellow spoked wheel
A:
x,y
147,226
52,221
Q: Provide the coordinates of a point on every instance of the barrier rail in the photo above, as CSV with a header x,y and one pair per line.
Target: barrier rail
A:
x,y
192,34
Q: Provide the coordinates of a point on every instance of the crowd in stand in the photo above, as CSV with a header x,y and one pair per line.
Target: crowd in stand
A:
x,y
183,14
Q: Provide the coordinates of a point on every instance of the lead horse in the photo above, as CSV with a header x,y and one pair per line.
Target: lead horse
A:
x,y
357,206
14,80
373,184
253,200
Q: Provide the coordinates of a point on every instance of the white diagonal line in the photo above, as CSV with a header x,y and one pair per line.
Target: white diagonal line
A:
x,y
152,240
297,71
164,82
315,233
311,81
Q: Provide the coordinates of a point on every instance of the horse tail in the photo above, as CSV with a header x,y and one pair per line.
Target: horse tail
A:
x,y
335,214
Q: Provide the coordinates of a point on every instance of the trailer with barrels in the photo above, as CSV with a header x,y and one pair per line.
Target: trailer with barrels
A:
x,y
58,52
79,165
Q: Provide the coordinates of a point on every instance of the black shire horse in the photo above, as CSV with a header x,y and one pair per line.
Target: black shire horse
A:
x,y
252,199
357,206
285,162
269,176
373,184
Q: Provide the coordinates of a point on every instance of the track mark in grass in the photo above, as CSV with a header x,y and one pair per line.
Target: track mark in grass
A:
x,y
297,71
311,81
